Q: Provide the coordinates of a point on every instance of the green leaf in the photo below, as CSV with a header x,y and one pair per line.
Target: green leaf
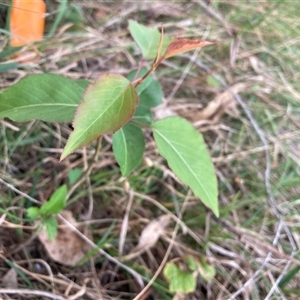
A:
x,y
56,203
33,212
185,151
83,83
143,115
128,147
46,97
51,228
150,97
148,39
180,281
107,105
74,175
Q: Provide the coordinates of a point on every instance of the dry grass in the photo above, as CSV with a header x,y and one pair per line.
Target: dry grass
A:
x,y
253,139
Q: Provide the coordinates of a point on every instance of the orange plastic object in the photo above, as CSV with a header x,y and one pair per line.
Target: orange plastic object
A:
x,y
27,21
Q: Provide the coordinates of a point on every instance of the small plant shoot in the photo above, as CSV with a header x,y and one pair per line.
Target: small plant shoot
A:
x,y
183,277
180,281
48,210
113,104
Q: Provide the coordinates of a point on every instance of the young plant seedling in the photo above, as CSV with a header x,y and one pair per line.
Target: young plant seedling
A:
x,y
113,104
48,210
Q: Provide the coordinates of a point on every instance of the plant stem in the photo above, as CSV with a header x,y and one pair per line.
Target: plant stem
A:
x,y
139,124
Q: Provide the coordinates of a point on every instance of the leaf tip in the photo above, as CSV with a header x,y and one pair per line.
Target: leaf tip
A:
x,y
64,154
216,212
62,157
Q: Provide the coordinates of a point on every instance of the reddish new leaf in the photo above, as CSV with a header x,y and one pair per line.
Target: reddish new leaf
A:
x,y
185,45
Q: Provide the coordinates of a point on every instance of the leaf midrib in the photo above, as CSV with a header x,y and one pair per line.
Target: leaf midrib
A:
x,y
39,105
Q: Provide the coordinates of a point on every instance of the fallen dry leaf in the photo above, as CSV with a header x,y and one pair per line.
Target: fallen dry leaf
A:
x,y
152,232
10,280
67,248
222,103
